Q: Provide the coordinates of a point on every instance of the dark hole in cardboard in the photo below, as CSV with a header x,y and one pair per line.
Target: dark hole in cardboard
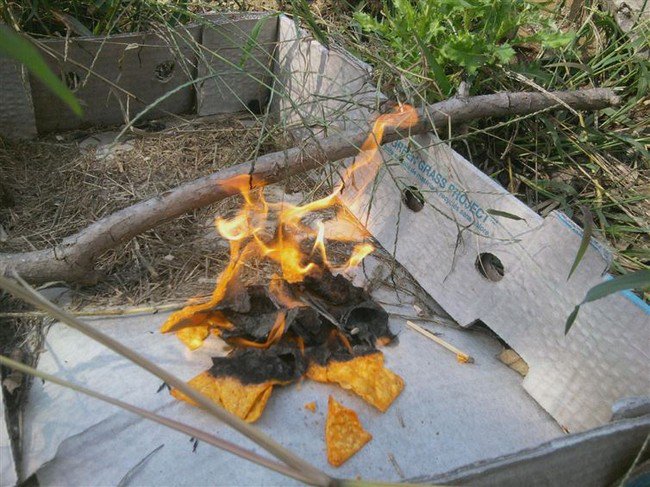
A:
x,y
255,107
490,266
413,198
164,71
72,80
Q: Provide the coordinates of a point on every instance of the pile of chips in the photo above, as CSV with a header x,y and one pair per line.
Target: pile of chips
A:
x,y
326,330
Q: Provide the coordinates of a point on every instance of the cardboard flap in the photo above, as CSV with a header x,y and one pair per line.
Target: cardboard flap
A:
x,y
526,297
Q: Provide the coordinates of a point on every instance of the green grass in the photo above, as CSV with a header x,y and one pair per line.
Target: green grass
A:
x,y
555,160
93,17
423,49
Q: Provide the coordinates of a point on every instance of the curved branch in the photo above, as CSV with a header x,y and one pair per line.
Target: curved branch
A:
x,y
73,259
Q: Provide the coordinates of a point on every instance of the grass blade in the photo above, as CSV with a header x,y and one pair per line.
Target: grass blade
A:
x,y
15,47
170,423
503,214
588,223
633,280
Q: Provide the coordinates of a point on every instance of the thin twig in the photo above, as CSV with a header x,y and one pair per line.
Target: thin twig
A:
x,y
460,355
159,308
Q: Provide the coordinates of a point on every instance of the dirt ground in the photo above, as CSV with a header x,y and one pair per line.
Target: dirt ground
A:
x,y
60,184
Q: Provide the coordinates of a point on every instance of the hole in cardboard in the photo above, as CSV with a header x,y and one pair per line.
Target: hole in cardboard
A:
x,y
164,71
490,266
413,198
255,107
72,80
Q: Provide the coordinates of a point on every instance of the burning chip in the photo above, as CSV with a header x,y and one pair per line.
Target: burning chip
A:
x,y
285,307
193,336
344,435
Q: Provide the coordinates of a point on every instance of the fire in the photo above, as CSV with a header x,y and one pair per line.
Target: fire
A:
x,y
276,232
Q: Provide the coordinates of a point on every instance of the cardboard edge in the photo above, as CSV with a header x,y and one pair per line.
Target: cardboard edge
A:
x,y
8,472
596,457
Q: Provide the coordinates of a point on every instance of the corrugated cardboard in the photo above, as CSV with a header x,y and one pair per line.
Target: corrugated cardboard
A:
x,y
319,90
576,378
237,59
602,456
16,109
103,72
8,475
447,415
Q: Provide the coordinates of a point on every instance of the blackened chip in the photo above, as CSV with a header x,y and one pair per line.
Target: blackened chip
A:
x,y
336,290
366,323
308,325
283,363
258,319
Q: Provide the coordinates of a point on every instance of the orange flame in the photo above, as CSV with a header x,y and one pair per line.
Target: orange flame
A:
x,y
248,235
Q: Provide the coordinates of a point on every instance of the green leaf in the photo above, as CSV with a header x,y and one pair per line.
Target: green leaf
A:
x,y
572,317
504,53
467,51
634,280
556,40
16,47
72,23
588,223
503,214
251,42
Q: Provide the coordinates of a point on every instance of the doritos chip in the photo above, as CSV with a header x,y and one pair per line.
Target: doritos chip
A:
x,y
366,376
193,336
188,316
244,400
311,406
344,435
317,372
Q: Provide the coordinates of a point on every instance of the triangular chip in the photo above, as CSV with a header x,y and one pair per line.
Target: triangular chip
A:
x,y
244,400
366,376
344,435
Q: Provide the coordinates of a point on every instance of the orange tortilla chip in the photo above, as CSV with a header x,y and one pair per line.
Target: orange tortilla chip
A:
x,y
344,435
311,406
188,316
366,376
317,372
193,336
246,401
192,325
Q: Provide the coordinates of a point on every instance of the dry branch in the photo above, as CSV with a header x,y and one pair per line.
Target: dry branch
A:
x,y
73,259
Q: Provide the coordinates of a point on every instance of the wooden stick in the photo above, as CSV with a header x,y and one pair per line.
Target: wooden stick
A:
x,y
136,310
73,259
461,356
